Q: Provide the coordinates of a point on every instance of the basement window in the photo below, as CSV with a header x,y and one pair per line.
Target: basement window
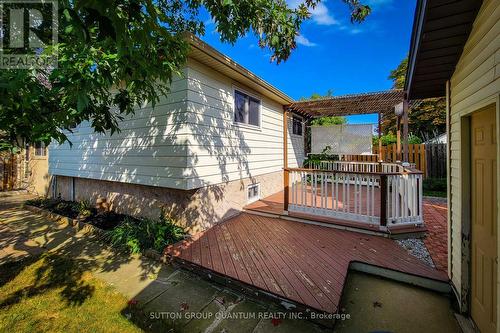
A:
x,y
253,192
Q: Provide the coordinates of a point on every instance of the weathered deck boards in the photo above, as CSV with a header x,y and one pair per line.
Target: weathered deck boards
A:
x,y
304,263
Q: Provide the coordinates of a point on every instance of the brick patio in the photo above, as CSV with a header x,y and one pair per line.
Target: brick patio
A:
x,y
435,215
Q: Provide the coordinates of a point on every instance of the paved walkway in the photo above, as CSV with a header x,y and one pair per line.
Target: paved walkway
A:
x,y
435,216
162,297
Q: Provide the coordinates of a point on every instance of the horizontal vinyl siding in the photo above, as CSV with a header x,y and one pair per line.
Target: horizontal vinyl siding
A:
x,y
151,148
219,149
475,84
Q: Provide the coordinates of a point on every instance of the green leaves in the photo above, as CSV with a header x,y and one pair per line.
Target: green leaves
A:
x,y
427,118
116,54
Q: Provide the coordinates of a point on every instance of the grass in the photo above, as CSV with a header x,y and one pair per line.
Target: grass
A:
x,y
52,294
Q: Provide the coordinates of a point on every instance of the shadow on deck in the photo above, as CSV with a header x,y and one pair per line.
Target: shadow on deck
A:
x,y
302,263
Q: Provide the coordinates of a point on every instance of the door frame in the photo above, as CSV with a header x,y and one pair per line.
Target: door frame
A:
x,y
466,204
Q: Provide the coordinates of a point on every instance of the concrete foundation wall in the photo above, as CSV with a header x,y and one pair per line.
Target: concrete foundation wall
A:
x,y
195,210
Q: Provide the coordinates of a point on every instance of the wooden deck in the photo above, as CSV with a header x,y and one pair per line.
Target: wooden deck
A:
x,y
305,263
273,205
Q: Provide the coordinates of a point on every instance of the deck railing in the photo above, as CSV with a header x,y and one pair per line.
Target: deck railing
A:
x,y
375,193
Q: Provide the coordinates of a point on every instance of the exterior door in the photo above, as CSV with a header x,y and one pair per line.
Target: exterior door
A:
x,y
484,219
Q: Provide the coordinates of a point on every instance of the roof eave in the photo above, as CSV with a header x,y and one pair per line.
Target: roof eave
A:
x,y
205,48
415,43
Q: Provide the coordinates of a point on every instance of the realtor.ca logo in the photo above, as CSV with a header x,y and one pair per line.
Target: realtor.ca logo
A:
x,y
28,34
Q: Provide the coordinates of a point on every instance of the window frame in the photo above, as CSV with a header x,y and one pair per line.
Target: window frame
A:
x,y
301,125
254,96
35,150
257,198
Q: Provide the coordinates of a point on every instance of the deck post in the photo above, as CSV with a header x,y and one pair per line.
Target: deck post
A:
x,y
383,200
285,161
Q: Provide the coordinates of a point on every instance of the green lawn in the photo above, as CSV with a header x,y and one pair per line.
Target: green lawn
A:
x,y
52,294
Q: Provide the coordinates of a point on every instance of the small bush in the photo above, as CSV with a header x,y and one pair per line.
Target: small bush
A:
x,y
143,234
67,208
70,209
85,209
45,203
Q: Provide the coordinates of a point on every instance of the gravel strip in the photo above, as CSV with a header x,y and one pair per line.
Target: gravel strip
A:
x,y
416,247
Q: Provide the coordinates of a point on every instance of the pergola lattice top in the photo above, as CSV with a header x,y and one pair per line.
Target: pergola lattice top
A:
x,y
378,102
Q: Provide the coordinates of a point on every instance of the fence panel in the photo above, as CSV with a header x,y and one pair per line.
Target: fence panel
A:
x,y
416,155
436,160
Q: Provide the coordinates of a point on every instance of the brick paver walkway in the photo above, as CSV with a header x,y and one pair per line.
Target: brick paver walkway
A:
x,y
435,210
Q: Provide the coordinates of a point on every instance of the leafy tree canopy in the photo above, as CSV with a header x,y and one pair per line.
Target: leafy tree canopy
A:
x,y
115,54
427,118
391,138
325,121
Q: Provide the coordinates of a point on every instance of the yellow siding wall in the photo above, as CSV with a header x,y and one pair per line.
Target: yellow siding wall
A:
x,y
474,84
39,180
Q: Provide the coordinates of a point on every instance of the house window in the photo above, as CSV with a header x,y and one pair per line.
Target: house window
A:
x,y
253,192
40,149
297,125
246,109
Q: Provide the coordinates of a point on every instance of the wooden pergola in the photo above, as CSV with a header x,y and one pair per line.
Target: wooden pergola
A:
x,y
383,103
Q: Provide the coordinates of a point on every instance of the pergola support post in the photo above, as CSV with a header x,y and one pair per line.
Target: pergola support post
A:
x,y
405,130
380,158
286,175
398,139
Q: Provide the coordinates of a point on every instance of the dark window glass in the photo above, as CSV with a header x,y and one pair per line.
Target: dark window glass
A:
x,y
254,112
246,109
297,125
239,107
40,149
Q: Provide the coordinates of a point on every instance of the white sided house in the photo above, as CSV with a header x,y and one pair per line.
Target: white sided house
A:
x,y
214,144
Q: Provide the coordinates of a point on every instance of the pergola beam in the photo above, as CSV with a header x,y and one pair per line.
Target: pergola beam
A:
x,y
366,103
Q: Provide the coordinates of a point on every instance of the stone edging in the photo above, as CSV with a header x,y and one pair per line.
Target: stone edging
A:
x,y
80,225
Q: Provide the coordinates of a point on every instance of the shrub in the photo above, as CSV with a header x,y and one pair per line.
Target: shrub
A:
x,y
315,159
139,235
62,207
45,203
66,208
85,209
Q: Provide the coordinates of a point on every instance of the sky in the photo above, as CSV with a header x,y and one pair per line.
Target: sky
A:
x,y
332,53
